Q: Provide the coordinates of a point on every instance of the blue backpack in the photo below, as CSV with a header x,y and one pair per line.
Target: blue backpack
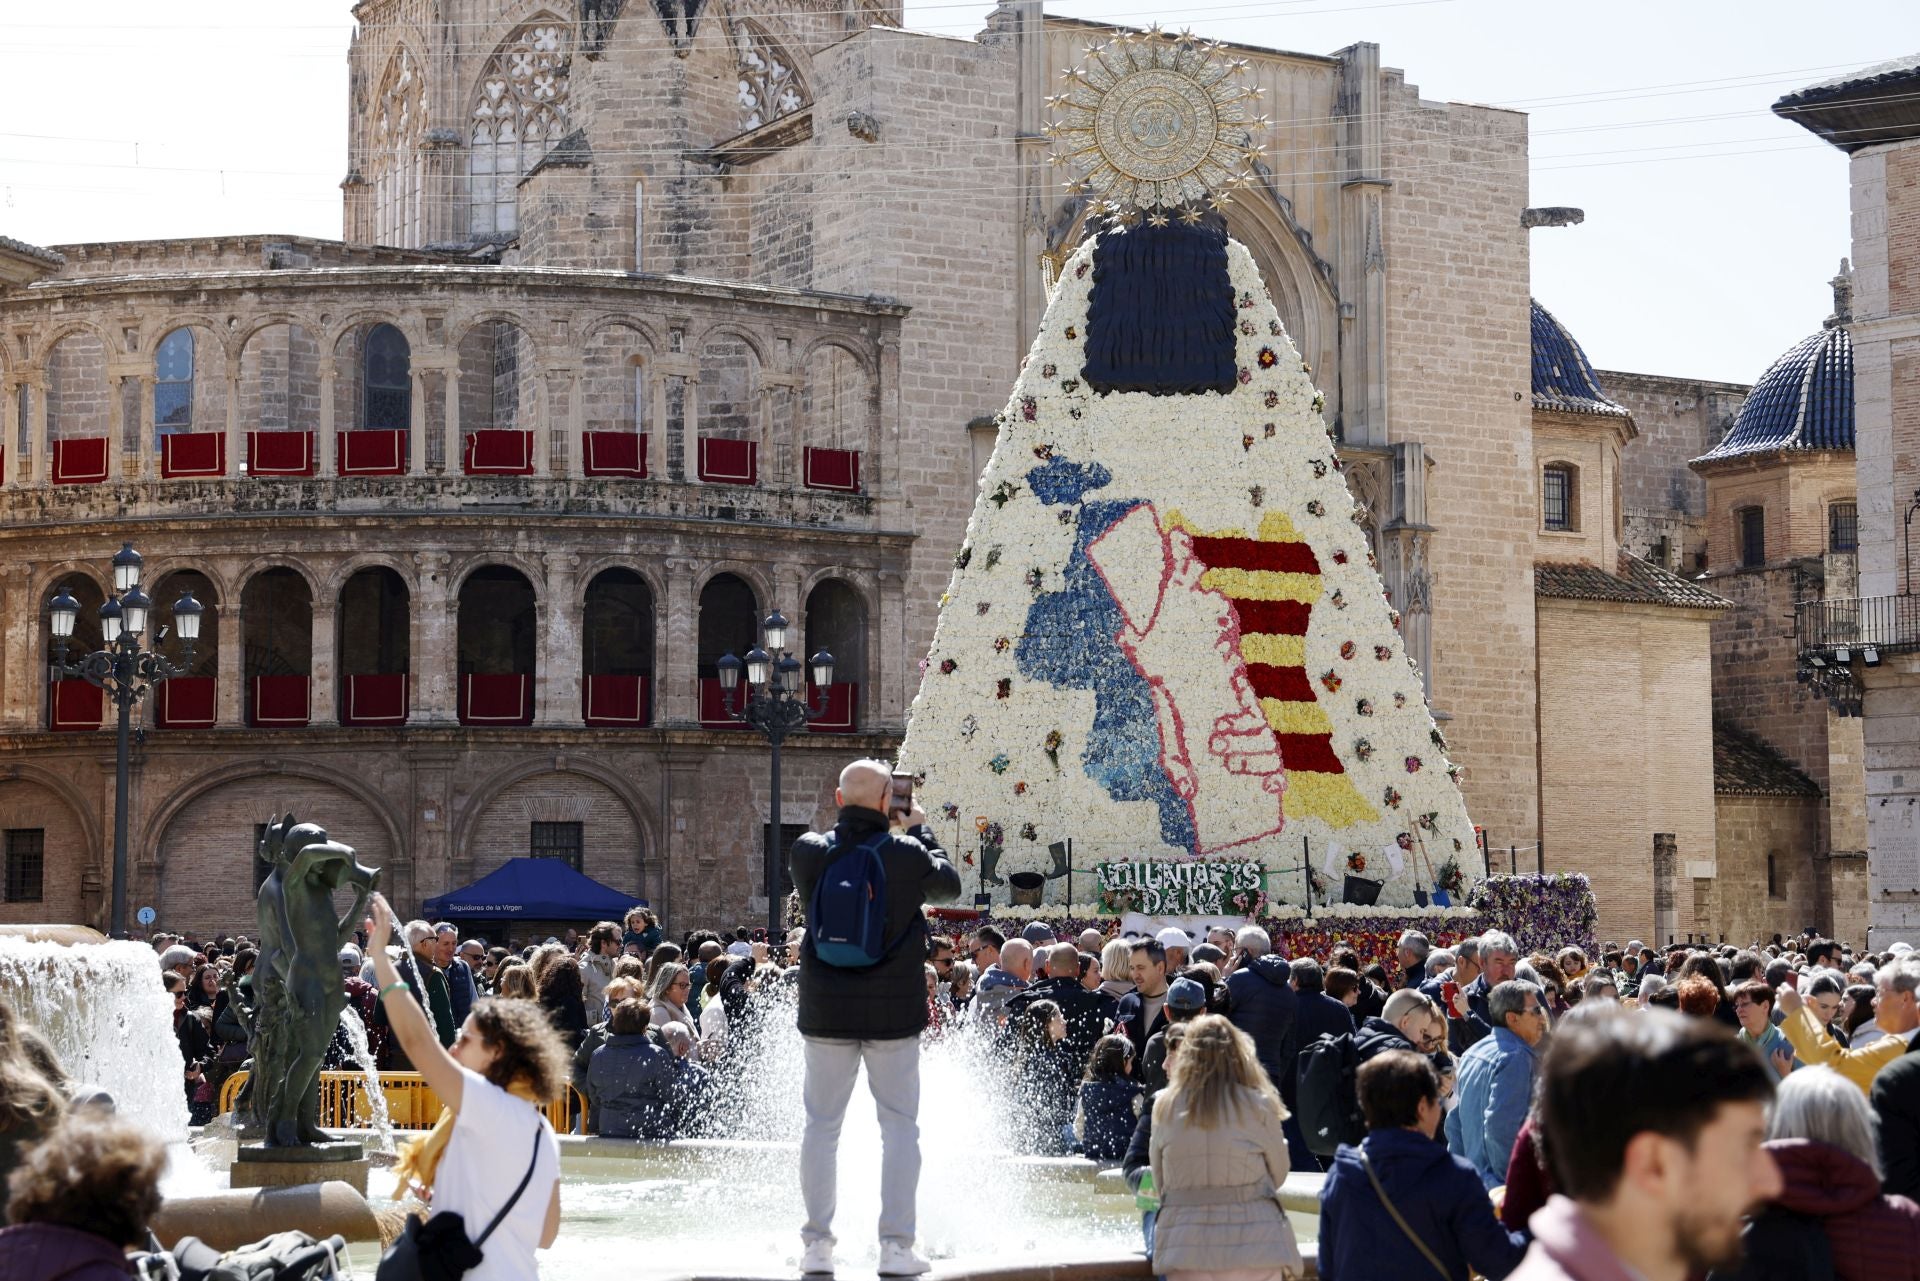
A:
x,y
847,919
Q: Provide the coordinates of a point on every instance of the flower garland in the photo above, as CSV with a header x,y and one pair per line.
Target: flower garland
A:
x,y
1086,610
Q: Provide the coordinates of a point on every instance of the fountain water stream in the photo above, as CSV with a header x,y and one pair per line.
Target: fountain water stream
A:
x,y
370,1079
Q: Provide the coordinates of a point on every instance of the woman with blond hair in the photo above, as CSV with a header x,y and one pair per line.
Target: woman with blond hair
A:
x,y
491,1158
1219,1158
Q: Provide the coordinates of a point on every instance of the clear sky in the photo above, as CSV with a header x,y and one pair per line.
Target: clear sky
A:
x,y
1712,226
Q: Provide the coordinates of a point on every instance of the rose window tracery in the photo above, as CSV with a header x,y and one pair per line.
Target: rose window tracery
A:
x,y
769,86
398,121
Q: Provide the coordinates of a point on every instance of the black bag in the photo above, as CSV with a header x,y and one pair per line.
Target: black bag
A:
x,y
437,1249
1328,1101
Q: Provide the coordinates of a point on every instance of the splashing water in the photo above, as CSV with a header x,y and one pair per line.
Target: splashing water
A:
x,y
110,1020
370,1079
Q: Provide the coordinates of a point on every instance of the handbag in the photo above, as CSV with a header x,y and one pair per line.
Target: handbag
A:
x,y
437,1248
1403,1225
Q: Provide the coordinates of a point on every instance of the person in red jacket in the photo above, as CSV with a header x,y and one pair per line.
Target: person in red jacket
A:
x,y
1830,1219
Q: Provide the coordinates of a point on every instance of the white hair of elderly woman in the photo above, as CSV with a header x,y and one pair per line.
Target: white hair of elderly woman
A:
x,y
1819,1103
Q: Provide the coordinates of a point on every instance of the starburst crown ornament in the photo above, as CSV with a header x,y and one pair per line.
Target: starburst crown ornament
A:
x,y
1155,121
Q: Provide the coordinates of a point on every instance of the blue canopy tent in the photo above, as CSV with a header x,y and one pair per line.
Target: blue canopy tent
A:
x,y
533,889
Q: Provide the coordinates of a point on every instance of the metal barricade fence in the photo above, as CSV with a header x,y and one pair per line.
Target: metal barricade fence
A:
x,y
411,1103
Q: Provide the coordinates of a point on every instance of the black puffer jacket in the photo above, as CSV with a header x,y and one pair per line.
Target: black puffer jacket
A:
x,y
888,1001
1263,1005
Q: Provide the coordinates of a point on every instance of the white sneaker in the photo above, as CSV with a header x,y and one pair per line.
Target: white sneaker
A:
x,y
817,1261
898,1260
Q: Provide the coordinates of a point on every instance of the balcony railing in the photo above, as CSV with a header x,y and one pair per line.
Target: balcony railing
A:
x,y
1882,624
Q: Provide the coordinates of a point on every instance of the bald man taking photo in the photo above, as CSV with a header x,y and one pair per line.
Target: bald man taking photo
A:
x,y
872,1014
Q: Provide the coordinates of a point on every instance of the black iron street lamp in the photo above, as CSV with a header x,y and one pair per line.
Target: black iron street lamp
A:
x,y
776,706
126,672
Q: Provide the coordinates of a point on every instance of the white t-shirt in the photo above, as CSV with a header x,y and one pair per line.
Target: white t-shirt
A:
x,y
491,1145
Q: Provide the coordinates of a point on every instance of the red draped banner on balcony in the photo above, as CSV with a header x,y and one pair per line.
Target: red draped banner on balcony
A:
x,y
617,700
729,462
187,454
279,702
496,699
280,453
499,453
843,700
375,700
80,462
373,453
713,704
836,469
616,453
74,705
184,702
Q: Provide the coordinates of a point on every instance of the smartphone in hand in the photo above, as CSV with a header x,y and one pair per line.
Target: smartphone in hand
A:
x,y
900,799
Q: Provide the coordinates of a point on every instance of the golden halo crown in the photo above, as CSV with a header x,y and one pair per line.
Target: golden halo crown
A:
x,y
1153,120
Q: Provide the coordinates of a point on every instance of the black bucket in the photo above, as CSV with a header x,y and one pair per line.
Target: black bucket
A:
x,y
1026,888
1360,890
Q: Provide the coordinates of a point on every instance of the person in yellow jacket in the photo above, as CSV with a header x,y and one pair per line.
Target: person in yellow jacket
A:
x,y
1894,1008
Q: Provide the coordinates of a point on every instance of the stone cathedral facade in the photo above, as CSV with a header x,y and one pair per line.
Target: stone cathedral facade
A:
x,y
650,318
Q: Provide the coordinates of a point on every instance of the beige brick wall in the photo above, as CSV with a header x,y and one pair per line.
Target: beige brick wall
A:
x,y
1626,751
1677,420
1750,904
67,852
1458,326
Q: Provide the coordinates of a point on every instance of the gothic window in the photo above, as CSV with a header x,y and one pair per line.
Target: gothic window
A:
x,y
564,841
1751,524
1558,497
769,86
1843,527
388,379
173,383
519,112
399,117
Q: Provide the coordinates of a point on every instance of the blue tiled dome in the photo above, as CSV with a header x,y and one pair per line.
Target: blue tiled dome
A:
x,y
1562,377
1803,401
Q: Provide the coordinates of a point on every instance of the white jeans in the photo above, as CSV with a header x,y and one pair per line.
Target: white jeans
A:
x,y
893,1074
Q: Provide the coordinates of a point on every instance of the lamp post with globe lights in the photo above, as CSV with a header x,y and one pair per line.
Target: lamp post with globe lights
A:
x,y
125,671
776,705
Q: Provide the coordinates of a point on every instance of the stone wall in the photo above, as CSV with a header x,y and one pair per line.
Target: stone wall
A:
x,y
1615,680
1678,419
1457,332
1771,877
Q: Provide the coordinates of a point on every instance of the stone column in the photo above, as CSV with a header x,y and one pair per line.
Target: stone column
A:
x,y
556,662
10,473
417,424
236,453
543,422
1666,866
323,679
676,631
433,643
19,626
329,442
40,430
889,662
657,425
229,702
146,440
884,457
690,429
576,428
118,467
450,396
788,599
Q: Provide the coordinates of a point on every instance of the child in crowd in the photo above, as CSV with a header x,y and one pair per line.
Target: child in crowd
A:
x,y
1109,1101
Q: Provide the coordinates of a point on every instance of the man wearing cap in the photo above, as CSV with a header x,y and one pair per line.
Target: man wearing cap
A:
x,y
1186,999
1176,943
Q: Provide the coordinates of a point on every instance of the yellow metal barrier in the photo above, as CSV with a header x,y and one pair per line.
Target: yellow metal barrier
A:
x,y
411,1103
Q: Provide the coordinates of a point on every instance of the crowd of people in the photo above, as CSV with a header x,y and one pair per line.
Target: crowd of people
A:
x,y
1476,1109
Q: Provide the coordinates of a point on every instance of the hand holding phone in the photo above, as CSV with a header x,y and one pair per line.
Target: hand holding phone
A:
x,y
900,799
1449,995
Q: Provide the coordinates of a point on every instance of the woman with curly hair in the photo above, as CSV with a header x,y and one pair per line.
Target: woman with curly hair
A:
x,y
80,1199
1219,1158
505,1062
30,1104
563,995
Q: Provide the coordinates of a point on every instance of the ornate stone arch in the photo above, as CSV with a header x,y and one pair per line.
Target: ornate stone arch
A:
x,y
459,332
645,821
393,157
258,324
594,567
730,329
157,823
69,794
519,107
771,83
869,362
861,580
751,575
151,336
367,318
343,572
600,324
159,567
1303,295
459,573
261,564
66,330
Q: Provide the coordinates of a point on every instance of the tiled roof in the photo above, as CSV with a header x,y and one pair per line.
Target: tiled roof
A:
x,y
1862,108
1638,582
1803,401
47,256
1748,766
1563,379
